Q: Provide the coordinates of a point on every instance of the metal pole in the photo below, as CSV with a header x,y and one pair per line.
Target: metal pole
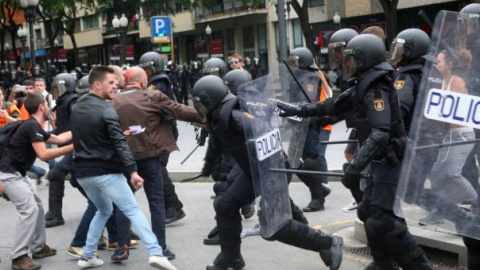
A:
x,y
282,30
123,34
31,19
209,47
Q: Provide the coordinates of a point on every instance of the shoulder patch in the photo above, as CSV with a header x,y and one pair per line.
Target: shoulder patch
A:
x,y
399,84
248,115
151,87
379,105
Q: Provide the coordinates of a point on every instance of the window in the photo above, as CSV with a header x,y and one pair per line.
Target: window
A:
x,y
90,22
248,39
297,34
317,3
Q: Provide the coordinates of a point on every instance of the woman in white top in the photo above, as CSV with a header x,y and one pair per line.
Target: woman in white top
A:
x,y
447,181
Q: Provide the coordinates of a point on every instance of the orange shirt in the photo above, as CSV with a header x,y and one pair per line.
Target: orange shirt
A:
x,y
322,98
10,110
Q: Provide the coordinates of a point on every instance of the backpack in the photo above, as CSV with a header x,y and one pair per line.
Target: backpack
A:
x,y
6,132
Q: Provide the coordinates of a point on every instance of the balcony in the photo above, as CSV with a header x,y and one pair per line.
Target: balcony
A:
x,y
214,9
110,30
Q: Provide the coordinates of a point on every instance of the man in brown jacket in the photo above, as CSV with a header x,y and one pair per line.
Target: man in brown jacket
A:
x,y
142,112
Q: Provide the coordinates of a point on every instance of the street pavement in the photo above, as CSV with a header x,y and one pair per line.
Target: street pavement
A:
x,y
185,237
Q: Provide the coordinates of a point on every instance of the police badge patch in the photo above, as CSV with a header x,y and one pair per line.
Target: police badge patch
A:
x,y
248,115
310,88
379,105
151,87
399,84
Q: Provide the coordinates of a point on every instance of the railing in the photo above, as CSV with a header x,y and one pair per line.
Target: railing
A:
x,y
227,7
110,30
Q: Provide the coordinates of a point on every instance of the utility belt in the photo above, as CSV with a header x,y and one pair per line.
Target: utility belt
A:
x,y
393,152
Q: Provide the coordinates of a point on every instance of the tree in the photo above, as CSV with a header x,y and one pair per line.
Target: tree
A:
x,y
390,11
302,12
50,13
8,8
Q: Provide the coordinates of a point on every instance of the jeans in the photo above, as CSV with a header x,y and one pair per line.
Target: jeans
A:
x,y
108,188
322,148
51,162
80,238
151,171
38,171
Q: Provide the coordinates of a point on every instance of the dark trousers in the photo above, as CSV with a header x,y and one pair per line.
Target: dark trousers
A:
x,y
171,198
56,190
151,171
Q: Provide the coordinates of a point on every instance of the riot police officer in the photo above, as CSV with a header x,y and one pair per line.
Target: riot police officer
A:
x,y
381,135
336,45
302,58
64,89
215,66
153,65
226,122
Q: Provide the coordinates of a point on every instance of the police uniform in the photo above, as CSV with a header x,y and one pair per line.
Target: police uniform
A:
x,y
227,124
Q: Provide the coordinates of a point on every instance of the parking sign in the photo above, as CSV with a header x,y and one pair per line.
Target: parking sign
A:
x,y
161,29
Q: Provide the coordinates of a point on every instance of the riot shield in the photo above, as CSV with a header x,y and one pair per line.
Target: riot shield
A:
x,y
434,186
294,129
265,151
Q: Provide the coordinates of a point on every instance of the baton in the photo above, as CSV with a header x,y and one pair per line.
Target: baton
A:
x,y
338,142
445,144
306,172
191,178
296,80
181,163
424,16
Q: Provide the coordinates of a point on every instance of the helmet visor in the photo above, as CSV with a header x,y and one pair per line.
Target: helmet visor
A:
x,y
148,67
335,51
58,88
349,65
467,29
201,109
396,49
294,61
210,71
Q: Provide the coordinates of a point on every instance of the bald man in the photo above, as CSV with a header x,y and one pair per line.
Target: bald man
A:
x,y
138,107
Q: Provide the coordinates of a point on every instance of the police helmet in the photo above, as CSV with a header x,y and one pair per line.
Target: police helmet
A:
x,y
248,61
83,86
63,83
215,66
336,45
410,44
301,58
256,61
362,53
152,61
467,24
233,79
208,93
471,9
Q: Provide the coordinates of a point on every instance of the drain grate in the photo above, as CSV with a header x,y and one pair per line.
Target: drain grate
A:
x,y
361,251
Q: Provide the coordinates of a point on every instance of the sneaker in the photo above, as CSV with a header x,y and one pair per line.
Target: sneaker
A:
x,y
332,257
173,215
314,206
55,221
24,262
248,210
102,243
255,230
351,207
433,218
169,254
77,252
49,215
160,263
93,262
326,190
212,238
120,254
46,251
133,245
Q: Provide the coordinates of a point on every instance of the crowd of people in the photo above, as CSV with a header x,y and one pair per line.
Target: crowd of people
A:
x,y
132,116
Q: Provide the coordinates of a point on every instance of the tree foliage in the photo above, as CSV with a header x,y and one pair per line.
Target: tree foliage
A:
x,y
390,11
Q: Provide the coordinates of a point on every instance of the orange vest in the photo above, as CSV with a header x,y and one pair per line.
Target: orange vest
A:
x,y
322,98
24,115
10,110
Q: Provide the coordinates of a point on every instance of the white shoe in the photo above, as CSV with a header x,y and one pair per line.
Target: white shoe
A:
x,y
351,207
94,262
160,263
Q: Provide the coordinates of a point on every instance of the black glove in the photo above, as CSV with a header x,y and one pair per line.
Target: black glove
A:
x,y
288,109
352,175
326,120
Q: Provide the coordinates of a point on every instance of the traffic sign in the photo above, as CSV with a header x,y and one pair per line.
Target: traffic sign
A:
x,y
161,29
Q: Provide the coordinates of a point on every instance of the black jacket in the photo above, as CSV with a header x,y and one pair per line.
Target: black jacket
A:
x,y
100,146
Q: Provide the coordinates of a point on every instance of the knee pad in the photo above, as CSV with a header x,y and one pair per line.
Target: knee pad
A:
x,y
363,212
224,206
220,186
56,175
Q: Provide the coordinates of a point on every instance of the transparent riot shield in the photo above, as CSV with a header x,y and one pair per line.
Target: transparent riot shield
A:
x,y
435,186
265,151
294,129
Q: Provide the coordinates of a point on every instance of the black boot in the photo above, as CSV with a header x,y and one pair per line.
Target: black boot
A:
x,y
212,238
314,184
421,263
297,213
387,264
228,258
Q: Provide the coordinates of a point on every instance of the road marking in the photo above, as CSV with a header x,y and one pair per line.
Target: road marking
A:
x,y
341,222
